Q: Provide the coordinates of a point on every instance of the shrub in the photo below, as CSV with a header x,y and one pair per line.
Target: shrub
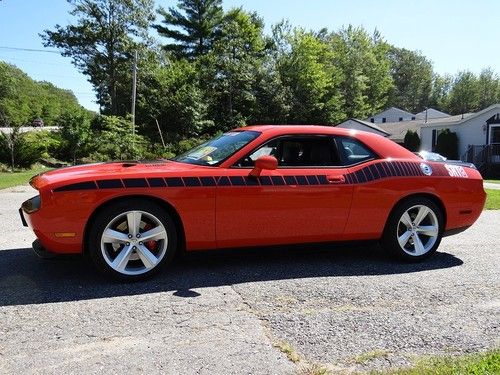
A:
x,y
22,150
447,144
76,134
115,141
412,141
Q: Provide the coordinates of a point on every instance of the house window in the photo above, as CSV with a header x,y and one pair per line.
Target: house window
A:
x,y
400,119
413,117
383,119
495,135
372,120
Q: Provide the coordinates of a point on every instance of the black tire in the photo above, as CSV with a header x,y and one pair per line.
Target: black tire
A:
x,y
395,228
108,216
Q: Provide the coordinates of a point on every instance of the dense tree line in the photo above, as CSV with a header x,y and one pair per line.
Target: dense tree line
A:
x,y
209,70
213,70
22,99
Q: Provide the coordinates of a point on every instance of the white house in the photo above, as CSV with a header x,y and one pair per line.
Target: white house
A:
x,y
478,129
392,114
478,133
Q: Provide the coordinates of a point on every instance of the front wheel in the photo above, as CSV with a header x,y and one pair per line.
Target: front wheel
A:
x,y
132,240
414,229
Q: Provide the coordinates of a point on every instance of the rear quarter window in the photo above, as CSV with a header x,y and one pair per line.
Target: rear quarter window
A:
x,y
354,151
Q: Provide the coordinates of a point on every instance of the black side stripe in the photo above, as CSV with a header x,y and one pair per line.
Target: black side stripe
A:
x,y
109,184
135,182
87,185
366,174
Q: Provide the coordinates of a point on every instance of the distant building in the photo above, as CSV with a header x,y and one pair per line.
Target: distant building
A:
x,y
430,113
392,114
478,133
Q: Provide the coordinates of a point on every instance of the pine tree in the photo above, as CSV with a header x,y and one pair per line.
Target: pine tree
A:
x,y
198,21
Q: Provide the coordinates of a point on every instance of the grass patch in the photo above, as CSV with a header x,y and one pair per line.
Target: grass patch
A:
x,y
492,199
10,179
314,369
369,356
288,350
493,181
476,364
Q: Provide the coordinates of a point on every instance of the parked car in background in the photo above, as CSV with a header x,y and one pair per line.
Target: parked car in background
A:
x,y
434,156
38,122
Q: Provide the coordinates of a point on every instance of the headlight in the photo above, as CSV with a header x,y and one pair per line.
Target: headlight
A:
x,y
31,205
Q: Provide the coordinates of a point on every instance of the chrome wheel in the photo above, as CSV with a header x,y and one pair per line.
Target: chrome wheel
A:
x,y
417,230
134,242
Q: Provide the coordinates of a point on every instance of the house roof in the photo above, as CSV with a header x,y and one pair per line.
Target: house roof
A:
x,y
398,129
394,110
370,125
431,113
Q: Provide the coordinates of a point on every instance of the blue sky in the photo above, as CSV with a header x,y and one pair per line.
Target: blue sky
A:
x,y
455,35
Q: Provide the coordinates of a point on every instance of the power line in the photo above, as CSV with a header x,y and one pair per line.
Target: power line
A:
x,y
29,49
32,61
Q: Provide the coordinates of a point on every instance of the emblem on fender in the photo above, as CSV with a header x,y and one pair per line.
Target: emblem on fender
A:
x,y
426,169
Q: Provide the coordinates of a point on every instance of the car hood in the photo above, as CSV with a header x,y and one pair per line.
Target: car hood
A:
x,y
111,170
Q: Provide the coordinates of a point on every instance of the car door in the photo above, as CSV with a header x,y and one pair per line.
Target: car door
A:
x,y
304,200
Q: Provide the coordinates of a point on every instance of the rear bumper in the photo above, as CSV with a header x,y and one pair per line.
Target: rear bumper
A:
x,y
451,232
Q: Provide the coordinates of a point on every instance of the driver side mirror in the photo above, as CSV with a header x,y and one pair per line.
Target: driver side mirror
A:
x,y
264,162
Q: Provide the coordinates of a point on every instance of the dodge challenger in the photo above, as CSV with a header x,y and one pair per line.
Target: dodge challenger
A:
x,y
254,186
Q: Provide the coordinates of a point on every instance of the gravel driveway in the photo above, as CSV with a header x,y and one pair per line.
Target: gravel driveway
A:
x,y
346,308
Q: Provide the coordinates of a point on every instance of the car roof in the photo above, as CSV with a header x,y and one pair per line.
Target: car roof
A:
x,y
314,129
383,146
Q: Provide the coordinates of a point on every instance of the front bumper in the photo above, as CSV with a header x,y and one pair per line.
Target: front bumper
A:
x,y
23,220
42,252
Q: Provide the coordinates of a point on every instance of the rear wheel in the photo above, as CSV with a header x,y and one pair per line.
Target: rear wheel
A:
x,y
414,229
132,240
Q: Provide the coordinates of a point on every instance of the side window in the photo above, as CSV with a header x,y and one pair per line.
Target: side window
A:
x,y
297,151
354,151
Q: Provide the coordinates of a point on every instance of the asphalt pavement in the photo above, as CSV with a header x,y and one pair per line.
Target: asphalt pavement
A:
x,y
260,312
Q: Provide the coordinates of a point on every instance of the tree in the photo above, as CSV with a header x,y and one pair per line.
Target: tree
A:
x,y
199,21
364,66
309,73
441,87
488,88
170,94
75,131
229,71
101,42
412,141
464,95
115,140
412,74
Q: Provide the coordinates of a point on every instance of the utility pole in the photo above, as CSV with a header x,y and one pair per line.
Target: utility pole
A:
x,y
134,92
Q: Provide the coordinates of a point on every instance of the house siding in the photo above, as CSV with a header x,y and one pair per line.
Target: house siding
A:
x,y
469,132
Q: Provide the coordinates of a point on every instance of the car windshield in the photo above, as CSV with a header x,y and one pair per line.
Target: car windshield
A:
x,y
218,149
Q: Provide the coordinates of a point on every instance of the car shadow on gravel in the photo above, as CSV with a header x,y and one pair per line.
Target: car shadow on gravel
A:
x,y
26,279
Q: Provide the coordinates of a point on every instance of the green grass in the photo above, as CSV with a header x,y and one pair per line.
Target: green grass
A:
x,y
476,364
492,199
10,179
493,181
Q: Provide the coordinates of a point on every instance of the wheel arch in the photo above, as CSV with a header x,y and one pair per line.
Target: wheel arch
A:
x,y
164,204
432,197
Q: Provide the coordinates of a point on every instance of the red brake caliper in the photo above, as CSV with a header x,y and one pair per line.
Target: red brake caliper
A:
x,y
151,245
